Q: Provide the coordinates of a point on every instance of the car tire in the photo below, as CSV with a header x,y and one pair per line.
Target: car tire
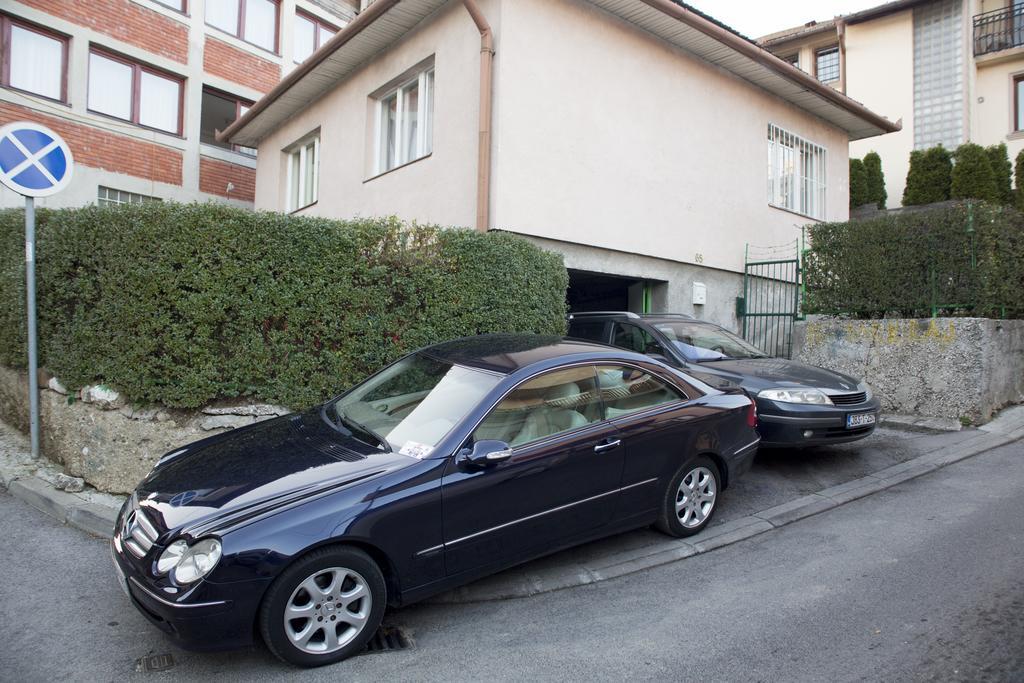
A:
x,y
684,512
324,607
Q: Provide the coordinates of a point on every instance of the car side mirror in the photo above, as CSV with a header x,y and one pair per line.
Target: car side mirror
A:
x,y
487,452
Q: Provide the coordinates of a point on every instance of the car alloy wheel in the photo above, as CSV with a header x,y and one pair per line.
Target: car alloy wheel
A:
x,y
327,610
690,498
695,497
324,607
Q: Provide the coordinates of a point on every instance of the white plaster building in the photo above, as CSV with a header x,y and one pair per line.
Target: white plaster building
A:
x,y
641,139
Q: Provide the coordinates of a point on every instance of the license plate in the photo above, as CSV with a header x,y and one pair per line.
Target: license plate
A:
x,y
859,420
121,580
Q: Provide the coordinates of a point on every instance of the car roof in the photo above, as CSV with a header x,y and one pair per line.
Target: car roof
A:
x,y
507,353
655,318
636,317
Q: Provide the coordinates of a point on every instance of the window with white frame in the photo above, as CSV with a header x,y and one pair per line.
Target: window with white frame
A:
x,y
405,125
303,172
108,196
796,173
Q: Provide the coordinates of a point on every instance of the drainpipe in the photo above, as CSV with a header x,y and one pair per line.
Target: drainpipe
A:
x,y
841,33
483,178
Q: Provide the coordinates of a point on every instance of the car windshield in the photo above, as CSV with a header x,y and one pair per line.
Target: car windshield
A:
x,y
411,405
701,342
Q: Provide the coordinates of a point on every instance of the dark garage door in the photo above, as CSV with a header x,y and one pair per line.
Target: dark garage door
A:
x,y
602,292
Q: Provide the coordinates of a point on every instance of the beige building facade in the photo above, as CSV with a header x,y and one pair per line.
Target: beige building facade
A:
x,y
951,70
649,166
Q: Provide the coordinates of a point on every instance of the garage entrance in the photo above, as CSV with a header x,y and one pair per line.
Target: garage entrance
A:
x,y
589,291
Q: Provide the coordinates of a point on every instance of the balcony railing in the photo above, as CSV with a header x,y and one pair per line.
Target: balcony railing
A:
x,y
999,29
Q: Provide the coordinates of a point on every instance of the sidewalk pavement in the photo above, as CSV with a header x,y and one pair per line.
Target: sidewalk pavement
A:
x,y
36,482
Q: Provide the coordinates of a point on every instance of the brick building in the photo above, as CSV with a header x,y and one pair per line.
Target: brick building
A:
x,y
139,87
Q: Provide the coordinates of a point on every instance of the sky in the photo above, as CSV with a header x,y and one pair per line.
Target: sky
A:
x,y
755,18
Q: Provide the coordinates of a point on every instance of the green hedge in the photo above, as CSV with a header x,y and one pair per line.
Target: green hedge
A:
x,y
929,176
180,304
966,259
875,180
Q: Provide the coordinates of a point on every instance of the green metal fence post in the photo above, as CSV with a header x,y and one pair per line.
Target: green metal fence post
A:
x,y
746,293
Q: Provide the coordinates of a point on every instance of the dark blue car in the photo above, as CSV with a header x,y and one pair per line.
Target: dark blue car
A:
x,y
455,462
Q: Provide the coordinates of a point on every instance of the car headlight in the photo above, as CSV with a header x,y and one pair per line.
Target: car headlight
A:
x,y
171,557
190,562
808,396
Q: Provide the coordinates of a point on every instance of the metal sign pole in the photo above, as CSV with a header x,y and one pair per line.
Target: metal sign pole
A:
x,y
34,162
30,288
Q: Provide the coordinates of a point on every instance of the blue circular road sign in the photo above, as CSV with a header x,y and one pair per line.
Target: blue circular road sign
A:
x,y
34,161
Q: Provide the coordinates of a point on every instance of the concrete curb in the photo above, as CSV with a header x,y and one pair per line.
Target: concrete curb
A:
x,y
67,508
98,519
998,433
921,425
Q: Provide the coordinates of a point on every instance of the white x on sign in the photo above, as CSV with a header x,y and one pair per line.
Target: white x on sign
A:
x,y
34,161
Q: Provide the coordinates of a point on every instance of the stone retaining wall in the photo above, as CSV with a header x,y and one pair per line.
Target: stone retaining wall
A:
x,y
93,434
961,368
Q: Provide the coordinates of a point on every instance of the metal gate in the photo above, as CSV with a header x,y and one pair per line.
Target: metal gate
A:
x,y
771,297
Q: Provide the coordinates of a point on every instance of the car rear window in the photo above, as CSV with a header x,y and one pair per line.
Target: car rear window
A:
x,y
588,329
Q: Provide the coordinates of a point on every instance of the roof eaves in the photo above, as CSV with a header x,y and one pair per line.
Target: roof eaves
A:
x,y
797,32
760,55
882,10
812,27
675,9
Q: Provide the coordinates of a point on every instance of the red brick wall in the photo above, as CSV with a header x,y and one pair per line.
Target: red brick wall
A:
x,y
221,59
108,151
214,176
125,21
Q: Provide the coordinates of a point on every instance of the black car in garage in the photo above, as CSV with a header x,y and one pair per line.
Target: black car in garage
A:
x,y
798,404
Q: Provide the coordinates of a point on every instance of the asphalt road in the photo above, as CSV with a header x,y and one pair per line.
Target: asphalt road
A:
x,y
924,581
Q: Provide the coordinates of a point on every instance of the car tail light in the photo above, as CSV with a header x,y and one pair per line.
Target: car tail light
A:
x,y
752,415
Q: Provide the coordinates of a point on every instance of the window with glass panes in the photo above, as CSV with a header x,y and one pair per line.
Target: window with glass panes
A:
x,y
827,64
310,33
35,60
108,196
254,21
178,5
134,92
1018,103
303,172
796,173
220,110
405,122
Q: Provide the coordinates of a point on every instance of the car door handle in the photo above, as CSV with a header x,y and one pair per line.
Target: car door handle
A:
x,y
607,446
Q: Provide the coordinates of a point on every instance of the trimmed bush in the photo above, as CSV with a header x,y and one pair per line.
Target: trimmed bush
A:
x,y
929,176
973,177
875,179
1002,171
858,184
180,304
967,259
